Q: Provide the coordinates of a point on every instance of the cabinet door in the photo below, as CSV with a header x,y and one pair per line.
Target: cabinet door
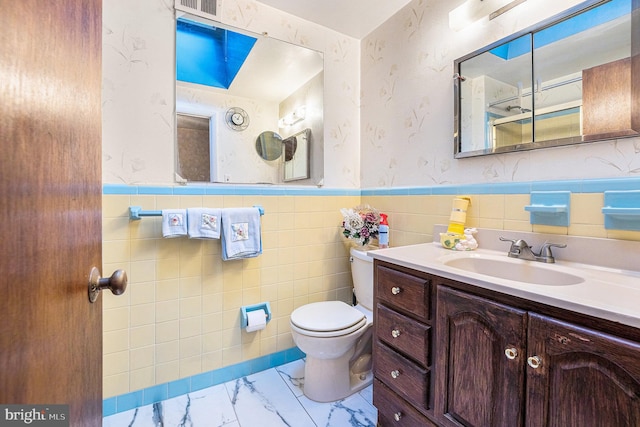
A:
x,y
477,383
583,377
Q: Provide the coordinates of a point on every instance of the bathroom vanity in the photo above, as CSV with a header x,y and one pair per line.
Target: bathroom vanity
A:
x,y
459,348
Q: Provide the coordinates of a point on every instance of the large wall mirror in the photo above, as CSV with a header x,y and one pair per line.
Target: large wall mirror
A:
x,y
572,79
234,88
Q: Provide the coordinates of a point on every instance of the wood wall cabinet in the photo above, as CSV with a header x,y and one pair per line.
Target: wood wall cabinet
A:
x,y
448,354
608,101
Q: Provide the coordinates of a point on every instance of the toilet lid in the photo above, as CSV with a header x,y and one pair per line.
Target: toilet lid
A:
x,y
326,316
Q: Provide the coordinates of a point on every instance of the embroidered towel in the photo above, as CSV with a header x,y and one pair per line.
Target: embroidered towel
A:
x,y
241,236
203,223
174,222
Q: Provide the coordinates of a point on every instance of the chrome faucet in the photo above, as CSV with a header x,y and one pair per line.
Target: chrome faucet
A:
x,y
520,249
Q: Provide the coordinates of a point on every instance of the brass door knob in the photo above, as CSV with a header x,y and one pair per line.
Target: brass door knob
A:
x,y
117,283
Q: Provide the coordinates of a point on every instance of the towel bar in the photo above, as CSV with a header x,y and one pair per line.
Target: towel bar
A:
x,y
136,213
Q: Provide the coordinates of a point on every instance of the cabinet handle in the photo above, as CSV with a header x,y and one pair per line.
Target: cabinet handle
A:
x,y
395,333
395,290
397,416
511,353
395,374
534,362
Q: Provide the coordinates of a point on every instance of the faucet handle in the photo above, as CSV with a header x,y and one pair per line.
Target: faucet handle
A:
x,y
517,246
545,250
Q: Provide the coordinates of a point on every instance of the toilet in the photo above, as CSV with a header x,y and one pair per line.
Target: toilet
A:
x,y
337,338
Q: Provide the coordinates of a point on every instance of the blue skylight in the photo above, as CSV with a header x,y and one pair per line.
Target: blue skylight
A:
x,y
592,18
209,56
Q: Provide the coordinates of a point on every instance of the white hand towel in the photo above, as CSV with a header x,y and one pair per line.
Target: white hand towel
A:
x,y
241,234
174,222
203,223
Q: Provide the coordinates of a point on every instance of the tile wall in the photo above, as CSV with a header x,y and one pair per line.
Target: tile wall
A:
x,y
411,218
180,314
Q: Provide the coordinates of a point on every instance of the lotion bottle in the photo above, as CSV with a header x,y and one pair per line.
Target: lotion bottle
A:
x,y
383,232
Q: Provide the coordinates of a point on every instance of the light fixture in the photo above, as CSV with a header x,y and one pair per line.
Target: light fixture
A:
x,y
473,10
294,117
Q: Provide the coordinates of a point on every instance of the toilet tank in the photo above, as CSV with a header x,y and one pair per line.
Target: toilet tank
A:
x,y
362,274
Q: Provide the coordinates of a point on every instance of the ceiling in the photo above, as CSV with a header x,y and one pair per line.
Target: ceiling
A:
x,y
355,18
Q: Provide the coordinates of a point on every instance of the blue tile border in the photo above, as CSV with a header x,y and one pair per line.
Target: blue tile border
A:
x,y
573,185
156,393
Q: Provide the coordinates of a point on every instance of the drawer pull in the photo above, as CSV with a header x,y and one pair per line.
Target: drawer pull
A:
x,y
397,416
534,362
395,333
395,290
511,353
395,374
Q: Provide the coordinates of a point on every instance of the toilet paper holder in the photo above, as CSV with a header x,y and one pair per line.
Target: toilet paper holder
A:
x,y
261,306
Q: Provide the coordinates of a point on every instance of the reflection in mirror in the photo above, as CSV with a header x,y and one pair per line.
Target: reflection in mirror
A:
x,y
268,80
567,56
193,147
579,72
269,145
296,156
495,97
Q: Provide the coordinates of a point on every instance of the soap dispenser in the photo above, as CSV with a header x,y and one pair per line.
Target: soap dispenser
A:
x,y
383,232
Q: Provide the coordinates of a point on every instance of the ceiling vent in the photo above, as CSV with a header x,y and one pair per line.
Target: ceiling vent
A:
x,y
204,8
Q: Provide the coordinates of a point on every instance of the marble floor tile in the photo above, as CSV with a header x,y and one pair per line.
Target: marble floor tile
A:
x,y
207,407
263,399
139,417
352,411
270,398
293,375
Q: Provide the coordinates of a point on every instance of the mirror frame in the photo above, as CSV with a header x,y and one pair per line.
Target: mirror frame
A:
x,y
457,77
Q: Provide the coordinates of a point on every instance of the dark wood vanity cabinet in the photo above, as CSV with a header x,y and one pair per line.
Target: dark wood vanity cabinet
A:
x,y
480,347
501,366
471,357
584,377
402,347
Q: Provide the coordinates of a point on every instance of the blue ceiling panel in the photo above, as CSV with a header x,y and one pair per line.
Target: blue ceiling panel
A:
x,y
209,56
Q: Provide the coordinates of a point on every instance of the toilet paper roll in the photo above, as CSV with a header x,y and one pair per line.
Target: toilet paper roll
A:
x,y
256,320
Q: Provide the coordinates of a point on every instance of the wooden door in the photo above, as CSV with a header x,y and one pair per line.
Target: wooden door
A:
x,y
584,378
477,384
50,205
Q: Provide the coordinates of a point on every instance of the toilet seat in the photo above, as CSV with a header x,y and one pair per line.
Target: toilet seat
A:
x,y
327,319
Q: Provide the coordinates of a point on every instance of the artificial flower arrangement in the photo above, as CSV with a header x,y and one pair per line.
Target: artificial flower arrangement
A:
x,y
360,223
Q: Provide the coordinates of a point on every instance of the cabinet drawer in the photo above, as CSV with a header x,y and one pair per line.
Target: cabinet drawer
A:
x,y
404,291
393,411
404,334
402,375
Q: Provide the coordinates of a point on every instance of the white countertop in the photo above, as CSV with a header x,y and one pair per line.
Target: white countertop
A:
x,y
607,293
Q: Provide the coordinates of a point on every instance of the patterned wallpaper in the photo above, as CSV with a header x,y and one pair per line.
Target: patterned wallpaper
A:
x,y
139,87
407,106
388,107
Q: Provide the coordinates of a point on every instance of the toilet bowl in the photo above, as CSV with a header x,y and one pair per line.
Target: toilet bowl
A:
x,y
337,338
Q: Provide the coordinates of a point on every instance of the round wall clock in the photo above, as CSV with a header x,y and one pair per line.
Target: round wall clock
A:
x,y
237,119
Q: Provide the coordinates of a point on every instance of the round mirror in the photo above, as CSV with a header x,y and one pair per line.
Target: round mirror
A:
x,y
269,145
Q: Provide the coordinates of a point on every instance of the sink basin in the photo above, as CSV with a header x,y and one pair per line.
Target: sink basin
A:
x,y
516,270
